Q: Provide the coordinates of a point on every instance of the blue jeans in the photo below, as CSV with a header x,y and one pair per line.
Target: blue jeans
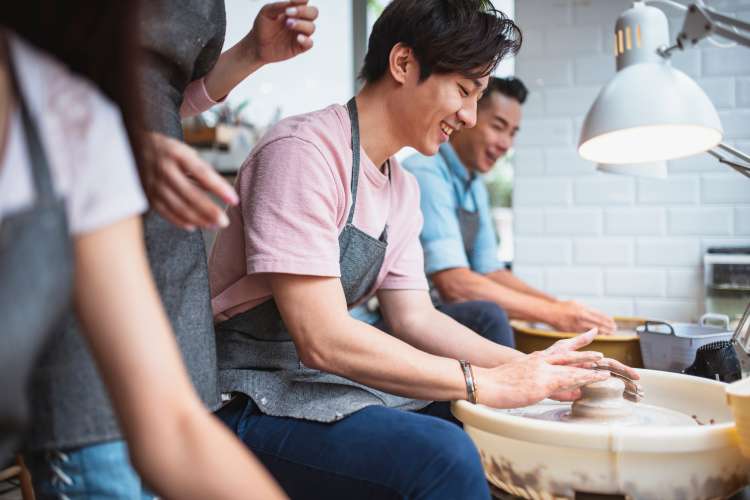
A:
x,y
96,472
376,453
485,318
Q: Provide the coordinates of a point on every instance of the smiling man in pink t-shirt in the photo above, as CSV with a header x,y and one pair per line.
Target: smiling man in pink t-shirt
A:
x,y
334,407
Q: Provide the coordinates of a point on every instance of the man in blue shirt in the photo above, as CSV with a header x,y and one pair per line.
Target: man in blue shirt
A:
x,y
458,237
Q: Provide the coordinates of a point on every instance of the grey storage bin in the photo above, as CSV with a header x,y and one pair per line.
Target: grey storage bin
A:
x,y
671,346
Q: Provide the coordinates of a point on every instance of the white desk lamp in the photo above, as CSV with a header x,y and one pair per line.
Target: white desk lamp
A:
x,y
651,112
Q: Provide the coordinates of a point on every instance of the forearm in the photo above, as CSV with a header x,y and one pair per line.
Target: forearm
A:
x,y
166,426
233,66
509,280
435,332
221,467
362,353
464,285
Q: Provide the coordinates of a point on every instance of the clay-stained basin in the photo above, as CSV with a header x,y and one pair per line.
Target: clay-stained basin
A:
x,y
534,458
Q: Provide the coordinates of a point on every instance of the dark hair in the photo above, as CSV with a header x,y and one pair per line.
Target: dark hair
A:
x,y
96,39
510,87
465,36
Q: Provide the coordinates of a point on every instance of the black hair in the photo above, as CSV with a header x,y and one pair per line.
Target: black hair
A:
x,y
510,87
97,39
469,37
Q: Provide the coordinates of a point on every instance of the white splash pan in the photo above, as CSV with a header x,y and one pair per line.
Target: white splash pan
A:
x,y
534,458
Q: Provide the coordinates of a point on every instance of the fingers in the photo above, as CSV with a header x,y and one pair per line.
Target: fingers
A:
x,y
572,395
303,12
618,367
195,203
606,324
276,9
573,343
574,358
306,28
304,42
203,173
172,216
578,377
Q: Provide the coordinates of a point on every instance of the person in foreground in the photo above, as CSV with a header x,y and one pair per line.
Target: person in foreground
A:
x,y
70,215
458,237
332,406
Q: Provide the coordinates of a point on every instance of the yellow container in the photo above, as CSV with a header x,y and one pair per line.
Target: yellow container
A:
x,y
738,399
622,346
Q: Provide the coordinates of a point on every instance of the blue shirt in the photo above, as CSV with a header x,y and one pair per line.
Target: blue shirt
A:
x,y
445,185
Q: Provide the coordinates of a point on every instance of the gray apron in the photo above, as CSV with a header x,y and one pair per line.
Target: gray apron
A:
x,y
468,224
181,40
258,358
36,266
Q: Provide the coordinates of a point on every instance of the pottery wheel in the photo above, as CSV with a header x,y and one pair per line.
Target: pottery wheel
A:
x,y
601,403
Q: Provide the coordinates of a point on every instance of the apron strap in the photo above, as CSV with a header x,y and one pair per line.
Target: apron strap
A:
x,y
456,190
351,106
40,170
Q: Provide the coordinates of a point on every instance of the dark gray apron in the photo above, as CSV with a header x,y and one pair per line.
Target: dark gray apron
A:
x,y
181,40
258,358
468,222
36,270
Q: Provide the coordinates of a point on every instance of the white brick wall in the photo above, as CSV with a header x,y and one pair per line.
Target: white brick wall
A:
x,y
626,246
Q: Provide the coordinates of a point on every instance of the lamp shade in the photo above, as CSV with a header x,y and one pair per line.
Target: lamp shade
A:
x,y
655,169
649,111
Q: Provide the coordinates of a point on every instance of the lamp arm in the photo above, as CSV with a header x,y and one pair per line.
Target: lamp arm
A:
x,y
734,152
742,169
701,22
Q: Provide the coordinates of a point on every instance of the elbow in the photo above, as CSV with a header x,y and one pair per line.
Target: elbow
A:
x,y
315,349
315,358
450,293
452,285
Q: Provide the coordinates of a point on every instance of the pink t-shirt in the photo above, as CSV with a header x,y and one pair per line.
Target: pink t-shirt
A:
x,y
295,194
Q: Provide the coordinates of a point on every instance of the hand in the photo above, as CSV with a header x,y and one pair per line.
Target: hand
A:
x,y
281,31
572,344
571,316
536,377
582,340
177,182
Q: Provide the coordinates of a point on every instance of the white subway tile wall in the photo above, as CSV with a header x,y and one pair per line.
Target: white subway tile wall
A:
x,y
626,246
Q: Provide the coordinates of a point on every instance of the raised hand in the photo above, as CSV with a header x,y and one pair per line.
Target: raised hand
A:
x,y
281,31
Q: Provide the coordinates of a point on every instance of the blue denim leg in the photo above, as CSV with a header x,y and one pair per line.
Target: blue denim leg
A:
x,y
376,453
486,318
97,472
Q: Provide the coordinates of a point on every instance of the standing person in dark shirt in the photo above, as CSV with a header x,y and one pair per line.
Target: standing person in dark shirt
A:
x,y
75,438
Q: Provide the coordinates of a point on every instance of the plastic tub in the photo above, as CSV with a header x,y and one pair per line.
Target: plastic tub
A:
x,y
671,346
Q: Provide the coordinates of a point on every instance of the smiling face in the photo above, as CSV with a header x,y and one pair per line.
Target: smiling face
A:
x,y
498,120
432,110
